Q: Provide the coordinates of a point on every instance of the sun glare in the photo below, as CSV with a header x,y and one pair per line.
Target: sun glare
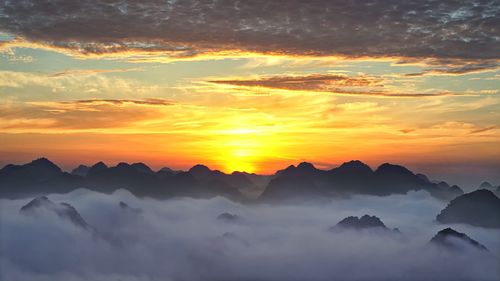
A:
x,y
243,148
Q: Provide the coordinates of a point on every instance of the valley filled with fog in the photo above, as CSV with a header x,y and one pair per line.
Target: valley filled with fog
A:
x,y
130,238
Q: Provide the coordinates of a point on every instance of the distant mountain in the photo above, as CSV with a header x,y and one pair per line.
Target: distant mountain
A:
x,y
299,182
486,185
37,177
302,181
227,217
99,166
63,210
36,171
41,177
81,171
363,222
168,170
477,208
454,240
353,177
237,179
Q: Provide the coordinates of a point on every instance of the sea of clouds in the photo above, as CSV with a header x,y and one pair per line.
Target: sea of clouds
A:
x,y
181,239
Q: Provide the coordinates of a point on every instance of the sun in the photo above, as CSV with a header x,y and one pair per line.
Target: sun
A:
x,y
244,148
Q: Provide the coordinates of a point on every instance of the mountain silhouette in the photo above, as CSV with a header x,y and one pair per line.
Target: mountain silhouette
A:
x,y
486,185
37,177
63,210
41,177
99,166
236,179
353,177
454,240
81,171
227,217
477,208
363,222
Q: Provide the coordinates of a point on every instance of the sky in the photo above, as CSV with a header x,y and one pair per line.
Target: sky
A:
x,y
253,85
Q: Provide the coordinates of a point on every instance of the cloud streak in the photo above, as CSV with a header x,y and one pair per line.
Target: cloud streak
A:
x,y
456,68
440,29
329,83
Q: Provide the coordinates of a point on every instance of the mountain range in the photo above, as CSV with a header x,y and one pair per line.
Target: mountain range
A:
x,y
42,176
353,177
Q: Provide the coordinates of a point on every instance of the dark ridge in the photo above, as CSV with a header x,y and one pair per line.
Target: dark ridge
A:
x,y
363,222
81,171
354,166
477,208
485,185
63,210
142,167
36,203
445,238
97,167
228,217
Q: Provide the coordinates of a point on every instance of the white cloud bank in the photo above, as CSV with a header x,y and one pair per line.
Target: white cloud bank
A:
x,y
180,239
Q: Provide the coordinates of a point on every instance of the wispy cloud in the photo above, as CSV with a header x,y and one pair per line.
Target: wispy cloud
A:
x,y
339,84
119,102
304,82
482,130
455,68
77,72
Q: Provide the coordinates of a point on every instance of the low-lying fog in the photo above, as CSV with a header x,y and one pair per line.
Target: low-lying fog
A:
x,y
182,239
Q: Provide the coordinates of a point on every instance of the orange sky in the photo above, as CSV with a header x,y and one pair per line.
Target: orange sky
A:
x,y
249,97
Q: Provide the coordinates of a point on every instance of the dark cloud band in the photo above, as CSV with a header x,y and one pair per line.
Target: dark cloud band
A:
x,y
440,29
329,83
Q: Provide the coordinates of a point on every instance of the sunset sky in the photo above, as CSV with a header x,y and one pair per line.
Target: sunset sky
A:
x,y
253,85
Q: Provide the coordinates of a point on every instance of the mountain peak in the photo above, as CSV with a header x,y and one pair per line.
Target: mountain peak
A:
x,y
38,202
166,169
478,208
199,168
354,166
63,210
43,162
306,166
99,166
391,168
485,185
122,165
81,170
142,167
482,195
359,223
448,238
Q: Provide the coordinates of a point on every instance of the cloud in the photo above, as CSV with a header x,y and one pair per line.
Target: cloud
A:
x,y
81,114
77,72
455,68
481,130
77,84
150,101
313,82
441,29
180,239
340,84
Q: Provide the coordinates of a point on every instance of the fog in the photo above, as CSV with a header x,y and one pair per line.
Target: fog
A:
x,y
181,239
